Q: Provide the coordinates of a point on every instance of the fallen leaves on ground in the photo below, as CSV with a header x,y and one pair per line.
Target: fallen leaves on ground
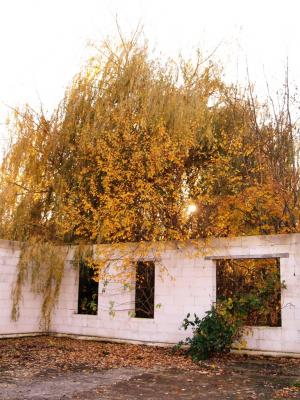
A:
x,y
44,355
40,355
291,392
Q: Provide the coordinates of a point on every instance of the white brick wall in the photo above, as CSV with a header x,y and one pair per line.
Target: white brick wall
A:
x,y
30,305
190,287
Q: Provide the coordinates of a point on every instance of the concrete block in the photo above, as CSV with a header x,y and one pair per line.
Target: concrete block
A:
x,y
290,347
251,343
271,333
290,335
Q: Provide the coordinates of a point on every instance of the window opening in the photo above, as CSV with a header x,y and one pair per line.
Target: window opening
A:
x,y
253,289
88,290
144,289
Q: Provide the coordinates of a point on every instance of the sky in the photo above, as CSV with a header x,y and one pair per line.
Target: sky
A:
x,y
43,43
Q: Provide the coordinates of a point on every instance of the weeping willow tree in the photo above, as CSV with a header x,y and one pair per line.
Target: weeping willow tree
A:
x,y
134,142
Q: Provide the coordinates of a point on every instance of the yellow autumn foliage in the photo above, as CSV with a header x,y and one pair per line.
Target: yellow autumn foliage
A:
x,y
134,142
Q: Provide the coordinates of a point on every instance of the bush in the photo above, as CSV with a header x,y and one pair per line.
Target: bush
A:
x,y
212,334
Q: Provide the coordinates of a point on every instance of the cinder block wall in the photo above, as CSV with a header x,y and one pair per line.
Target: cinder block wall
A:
x,y
28,323
189,286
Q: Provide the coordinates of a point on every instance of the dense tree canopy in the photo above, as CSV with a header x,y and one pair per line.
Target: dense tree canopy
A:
x,y
134,142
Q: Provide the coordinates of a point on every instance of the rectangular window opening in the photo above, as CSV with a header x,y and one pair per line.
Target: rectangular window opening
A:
x,y
253,288
88,290
144,289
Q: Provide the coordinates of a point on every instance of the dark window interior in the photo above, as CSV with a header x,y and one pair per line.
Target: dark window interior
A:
x,y
88,291
144,289
254,287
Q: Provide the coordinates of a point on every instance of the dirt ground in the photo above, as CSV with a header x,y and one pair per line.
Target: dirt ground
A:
x,y
59,368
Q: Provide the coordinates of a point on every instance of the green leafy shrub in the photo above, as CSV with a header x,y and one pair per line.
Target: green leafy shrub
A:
x,y
212,334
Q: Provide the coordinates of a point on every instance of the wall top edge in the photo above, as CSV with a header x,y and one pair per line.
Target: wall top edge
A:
x,y
213,242
248,256
10,244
